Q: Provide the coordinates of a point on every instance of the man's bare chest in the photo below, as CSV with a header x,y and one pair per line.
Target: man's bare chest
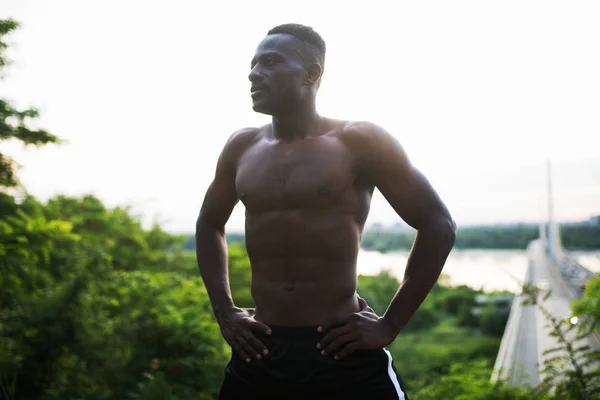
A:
x,y
308,173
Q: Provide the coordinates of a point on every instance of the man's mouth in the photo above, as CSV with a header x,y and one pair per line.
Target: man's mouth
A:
x,y
257,88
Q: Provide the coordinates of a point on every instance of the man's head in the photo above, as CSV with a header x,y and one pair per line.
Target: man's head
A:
x,y
286,69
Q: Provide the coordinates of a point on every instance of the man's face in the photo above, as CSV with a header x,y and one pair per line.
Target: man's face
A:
x,y
278,75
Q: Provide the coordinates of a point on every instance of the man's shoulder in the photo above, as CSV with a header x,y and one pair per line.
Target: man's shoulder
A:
x,y
242,139
245,135
372,145
363,133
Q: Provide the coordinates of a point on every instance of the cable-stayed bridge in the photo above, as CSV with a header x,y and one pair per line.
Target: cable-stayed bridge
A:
x,y
526,337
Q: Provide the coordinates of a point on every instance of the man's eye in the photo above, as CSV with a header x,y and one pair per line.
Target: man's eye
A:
x,y
271,61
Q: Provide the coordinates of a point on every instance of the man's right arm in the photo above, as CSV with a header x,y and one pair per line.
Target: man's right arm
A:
x,y
237,325
211,246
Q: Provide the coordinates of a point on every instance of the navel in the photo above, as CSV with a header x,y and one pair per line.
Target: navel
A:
x,y
323,191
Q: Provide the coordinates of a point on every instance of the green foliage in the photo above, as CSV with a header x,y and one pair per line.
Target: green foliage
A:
x,y
589,306
120,235
573,370
36,297
94,306
151,317
492,321
385,241
444,330
79,318
470,381
378,289
584,237
6,26
423,357
14,124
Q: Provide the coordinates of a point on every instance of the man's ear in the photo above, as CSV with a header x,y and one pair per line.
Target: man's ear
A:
x,y
313,74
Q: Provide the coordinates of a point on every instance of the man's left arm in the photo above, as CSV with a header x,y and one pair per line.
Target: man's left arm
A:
x,y
413,198
386,165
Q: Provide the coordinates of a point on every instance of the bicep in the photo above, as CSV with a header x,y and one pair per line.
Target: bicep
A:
x,y
219,201
221,196
411,195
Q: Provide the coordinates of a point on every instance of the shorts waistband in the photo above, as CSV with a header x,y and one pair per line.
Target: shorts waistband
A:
x,y
294,331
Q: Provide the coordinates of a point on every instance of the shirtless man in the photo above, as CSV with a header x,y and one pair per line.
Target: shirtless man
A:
x,y
306,182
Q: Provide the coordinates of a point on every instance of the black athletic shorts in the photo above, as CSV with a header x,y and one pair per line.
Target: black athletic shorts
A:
x,y
295,369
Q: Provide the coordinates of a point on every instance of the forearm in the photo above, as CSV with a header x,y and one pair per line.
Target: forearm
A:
x,y
430,250
212,255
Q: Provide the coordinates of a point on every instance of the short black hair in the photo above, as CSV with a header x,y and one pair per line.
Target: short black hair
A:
x,y
316,45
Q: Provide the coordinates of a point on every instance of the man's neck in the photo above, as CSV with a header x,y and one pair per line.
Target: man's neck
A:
x,y
299,124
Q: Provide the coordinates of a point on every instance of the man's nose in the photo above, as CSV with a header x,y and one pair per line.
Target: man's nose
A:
x,y
255,76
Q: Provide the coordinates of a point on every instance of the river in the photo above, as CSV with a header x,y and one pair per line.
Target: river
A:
x,y
480,269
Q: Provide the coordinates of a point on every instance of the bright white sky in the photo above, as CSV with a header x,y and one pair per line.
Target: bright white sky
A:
x,y
479,93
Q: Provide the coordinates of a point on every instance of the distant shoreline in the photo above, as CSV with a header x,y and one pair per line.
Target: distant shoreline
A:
x,y
574,236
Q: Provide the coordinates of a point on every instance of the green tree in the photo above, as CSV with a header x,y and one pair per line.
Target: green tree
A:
x,y
378,290
492,321
76,324
14,123
36,314
514,236
588,308
471,381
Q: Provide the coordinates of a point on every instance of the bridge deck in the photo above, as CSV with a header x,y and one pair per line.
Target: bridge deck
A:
x,y
527,335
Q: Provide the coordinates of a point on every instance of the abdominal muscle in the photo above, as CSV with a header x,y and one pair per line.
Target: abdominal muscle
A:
x,y
321,294
304,269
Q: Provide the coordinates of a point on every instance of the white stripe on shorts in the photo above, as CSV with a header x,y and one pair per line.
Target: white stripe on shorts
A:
x,y
393,376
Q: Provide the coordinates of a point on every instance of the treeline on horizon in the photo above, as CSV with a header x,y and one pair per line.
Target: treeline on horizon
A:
x,y
575,236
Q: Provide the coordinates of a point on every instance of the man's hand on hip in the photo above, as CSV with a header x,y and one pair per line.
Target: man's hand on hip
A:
x,y
363,330
238,327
